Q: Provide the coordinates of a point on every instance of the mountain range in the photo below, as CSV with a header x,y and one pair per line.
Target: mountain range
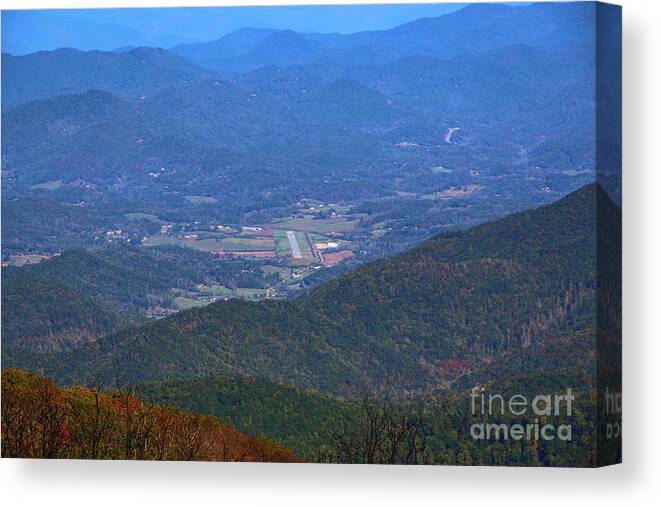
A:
x,y
262,118
472,29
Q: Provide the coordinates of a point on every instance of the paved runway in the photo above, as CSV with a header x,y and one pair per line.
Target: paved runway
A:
x,y
296,251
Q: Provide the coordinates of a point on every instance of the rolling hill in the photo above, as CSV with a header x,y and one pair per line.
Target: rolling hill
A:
x,y
40,314
297,124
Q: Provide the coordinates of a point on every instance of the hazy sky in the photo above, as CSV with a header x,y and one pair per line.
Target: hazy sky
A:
x,y
28,31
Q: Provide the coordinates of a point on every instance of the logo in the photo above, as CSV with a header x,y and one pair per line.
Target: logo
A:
x,y
527,416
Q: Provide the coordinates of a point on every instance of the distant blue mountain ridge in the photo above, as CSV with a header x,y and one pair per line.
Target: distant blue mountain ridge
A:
x,y
471,31
26,32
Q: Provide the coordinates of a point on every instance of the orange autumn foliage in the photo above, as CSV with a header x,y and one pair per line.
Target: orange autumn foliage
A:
x,y
41,420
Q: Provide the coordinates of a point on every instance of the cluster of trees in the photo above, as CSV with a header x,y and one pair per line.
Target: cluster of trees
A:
x,y
448,420
40,420
382,435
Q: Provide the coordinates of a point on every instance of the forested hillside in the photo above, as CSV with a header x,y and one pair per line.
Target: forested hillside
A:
x,y
303,421
428,429
41,420
43,315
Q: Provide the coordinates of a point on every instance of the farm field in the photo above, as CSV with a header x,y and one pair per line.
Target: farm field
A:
x,y
333,258
250,293
208,294
213,244
247,244
216,290
318,225
205,245
282,271
185,303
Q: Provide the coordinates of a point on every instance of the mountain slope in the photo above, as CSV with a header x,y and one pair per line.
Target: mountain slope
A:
x,y
41,314
231,45
282,48
405,324
133,73
129,279
300,420
97,136
41,420
482,27
350,104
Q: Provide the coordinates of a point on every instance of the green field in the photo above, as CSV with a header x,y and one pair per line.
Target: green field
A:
x,y
217,290
320,225
205,245
269,269
247,244
212,244
250,293
186,303
303,244
320,237
281,242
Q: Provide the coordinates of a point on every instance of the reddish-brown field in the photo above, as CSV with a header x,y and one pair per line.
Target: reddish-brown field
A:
x,y
333,258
